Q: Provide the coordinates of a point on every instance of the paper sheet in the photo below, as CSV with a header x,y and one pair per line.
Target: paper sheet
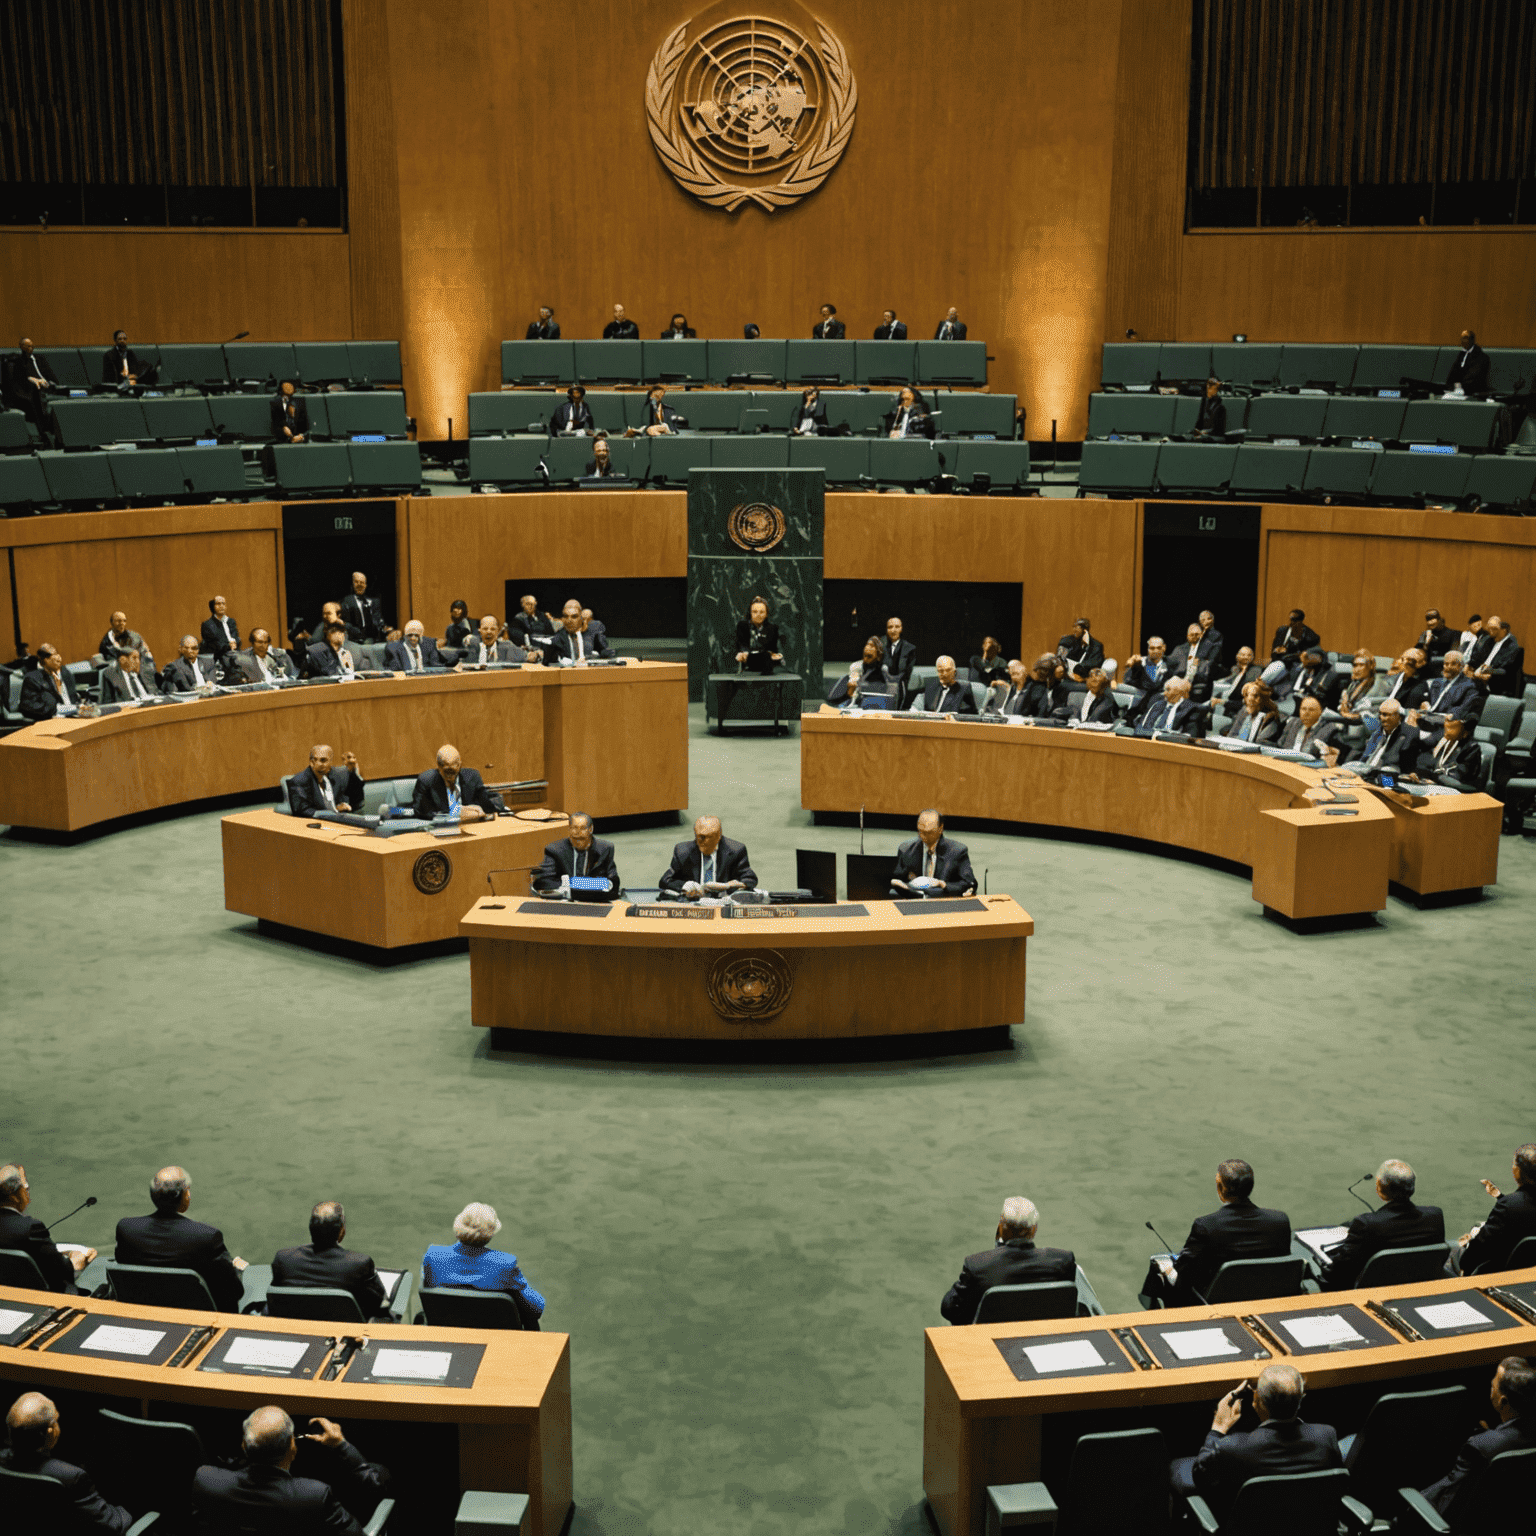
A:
x,y
123,1341
415,1364
1322,1331
1453,1314
1200,1344
1071,1355
278,1354
389,1279
11,1321
1322,1237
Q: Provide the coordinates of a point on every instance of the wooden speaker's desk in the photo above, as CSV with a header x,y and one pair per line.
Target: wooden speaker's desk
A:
x,y
1442,843
514,1423
390,891
855,970
983,1426
612,741
1246,808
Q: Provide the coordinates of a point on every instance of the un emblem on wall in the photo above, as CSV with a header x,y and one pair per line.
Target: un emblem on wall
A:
x,y
750,986
432,872
751,109
755,526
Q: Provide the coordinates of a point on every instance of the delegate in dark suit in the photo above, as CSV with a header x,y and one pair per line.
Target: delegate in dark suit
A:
x,y
815,414
687,333
543,330
269,1499
900,657
39,697
1398,1224
578,647
118,365
895,331
244,667
1015,1262
949,330
20,394
88,1512
430,796
1512,1218
1455,1495
1274,1449
1182,715
364,617
1081,653
325,660
18,1230
1088,710
829,330
1458,763
1208,660
1264,729
571,416
169,1240
120,687
220,635
398,656
1148,676
333,1267
562,859
1458,696
1036,700
290,417
1237,1230
503,651
955,699
1291,640
1470,370
1298,736
760,642
305,796
951,864
183,676
522,627
729,863
621,330
1396,750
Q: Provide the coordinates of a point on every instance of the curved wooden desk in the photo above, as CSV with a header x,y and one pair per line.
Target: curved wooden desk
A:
x,y
856,970
612,741
514,1423
1249,809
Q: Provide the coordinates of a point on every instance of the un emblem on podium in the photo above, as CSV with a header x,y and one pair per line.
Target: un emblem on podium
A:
x,y
756,526
751,109
750,986
432,872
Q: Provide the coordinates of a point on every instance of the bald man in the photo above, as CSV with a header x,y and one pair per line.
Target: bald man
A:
x,y
169,1239
190,671
710,865
363,615
415,651
324,785
452,790
931,856
34,1430
945,693
483,649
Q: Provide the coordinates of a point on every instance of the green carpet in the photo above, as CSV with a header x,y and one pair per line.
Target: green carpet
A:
x,y
745,1257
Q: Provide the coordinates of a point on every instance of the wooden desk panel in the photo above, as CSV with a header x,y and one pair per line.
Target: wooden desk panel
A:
x,y
860,977
1443,842
514,1425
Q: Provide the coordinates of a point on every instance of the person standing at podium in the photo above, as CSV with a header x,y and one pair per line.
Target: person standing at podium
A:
x,y
580,853
709,865
757,639
320,787
930,857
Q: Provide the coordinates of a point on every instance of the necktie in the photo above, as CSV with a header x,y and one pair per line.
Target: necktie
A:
x,y
485,653
1443,751
1444,686
325,790
455,803
1161,722
415,658
707,870
136,689
928,864
1380,751
581,861
581,653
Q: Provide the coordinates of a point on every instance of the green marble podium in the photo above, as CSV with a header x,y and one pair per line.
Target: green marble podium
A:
x,y
754,533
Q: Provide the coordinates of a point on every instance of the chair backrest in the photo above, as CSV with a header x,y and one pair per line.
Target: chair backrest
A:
x,y
19,1268
319,1303
1300,1504
1408,1439
145,1285
1255,1279
1117,1482
1027,1303
1502,1498
452,1306
151,1462
36,1503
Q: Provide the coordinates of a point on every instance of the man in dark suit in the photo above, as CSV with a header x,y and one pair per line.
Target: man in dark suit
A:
x,y
264,1494
261,662
546,327
1437,637
1148,673
946,694
1314,678
1080,651
710,860
483,649
1040,696
1493,658
122,682
678,329
829,327
321,787
1401,683
47,690
121,366
119,637
579,853
220,632
890,328
27,378
1512,1219
1012,1260
290,420
657,418
414,652
932,856
189,670
1307,732
573,642
331,656
900,657
951,327
1398,1224
573,414
757,639
1292,638
1471,369
168,1239
1513,1395
1236,1229
1173,711
595,631
529,624
325,1263
1214,635
1244,672
621,327
1452,693
363,615
20,1231
1197,658
33,1423
1280,1445
1394,745
451,789
1258,720
1097,706
1455,760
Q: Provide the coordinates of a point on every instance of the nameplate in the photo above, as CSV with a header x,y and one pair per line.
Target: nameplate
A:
x,y
670,909
760,914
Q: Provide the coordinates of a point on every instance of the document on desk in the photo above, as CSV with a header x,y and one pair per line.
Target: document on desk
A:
x,y
10,1321
266,1354
1322,1331
1071,1355
1200,1343
1319,1239
413,1364
123,1341
1453,1314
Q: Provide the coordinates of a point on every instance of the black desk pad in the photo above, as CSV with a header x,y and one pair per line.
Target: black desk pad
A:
x,y
940,906
1521,1297
1113,1359
1406,1309
316,1352
75,1342
17,1333
1155,1337
462,1369
1372,1334
564,909
770,914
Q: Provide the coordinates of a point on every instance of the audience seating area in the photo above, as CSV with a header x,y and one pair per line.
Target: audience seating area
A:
x,y
208,366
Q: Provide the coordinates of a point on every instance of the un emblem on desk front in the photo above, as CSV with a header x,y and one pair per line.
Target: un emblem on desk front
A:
x,y
432,872
751,109
755,526
750,986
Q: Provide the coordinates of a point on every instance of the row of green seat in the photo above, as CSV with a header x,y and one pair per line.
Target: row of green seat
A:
x,y
719,410
158,476
1467,423
713,361
667,460
1267,471
1292,365
208,365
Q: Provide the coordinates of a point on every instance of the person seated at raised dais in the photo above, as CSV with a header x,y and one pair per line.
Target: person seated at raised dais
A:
x,y
931,864
708,866
579,855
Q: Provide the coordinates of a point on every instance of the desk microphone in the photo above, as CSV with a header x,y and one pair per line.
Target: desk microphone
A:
x,y
240,337
1167,1246
1363,1201
78,1208
861,831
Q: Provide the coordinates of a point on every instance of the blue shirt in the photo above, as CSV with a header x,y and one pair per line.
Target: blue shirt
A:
x,y
478,1269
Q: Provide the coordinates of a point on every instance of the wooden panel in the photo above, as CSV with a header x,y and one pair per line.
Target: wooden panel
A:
x,y
1443,842
68,288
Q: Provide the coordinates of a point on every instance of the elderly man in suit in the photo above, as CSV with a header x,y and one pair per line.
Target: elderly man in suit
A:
x,y
1097,706
1012,1260
1454,760
932,857
190,671
260,662
331,656
1490,1244
951,327
1243,672
119,637
323,1262
1401,681
1039,696
1493,658
220,632
26,379
890,328
1147,673
47,690
123,682
415,651
34,1430
1198,658
1313,677
1452,693
1398,1224
1080,651
528,627
324,787
900,657
1258,720
579,853
573,641
1308,732
169,1239
363,615
451,789
1394,745
1174,711
711,864
59,1267
945,694
1513,1395
484,649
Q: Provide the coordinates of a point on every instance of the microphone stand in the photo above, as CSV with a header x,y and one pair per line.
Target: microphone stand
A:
x,y
1361,1198
62,1219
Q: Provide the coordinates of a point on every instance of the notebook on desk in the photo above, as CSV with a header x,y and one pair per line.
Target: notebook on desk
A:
x,y
1318,1240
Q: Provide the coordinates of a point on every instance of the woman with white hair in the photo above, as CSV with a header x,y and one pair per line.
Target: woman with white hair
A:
x,y
471,1262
